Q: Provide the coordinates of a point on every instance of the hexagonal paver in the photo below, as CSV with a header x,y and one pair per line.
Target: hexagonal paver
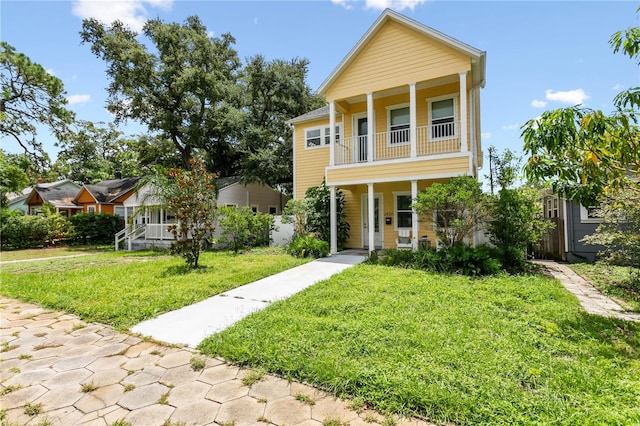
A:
x,y
107,377
28,377
20,397
332,408
156,414
218,374
270,388
226,391
108,363
143,396
73,363
61,397
287,411
176,359
140,362
147,376
180,375
67,378
188,393
196,413
242,411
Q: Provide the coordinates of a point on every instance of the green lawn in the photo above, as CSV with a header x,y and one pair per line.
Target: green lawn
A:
x,y
501,350
614,281
49,252
121,289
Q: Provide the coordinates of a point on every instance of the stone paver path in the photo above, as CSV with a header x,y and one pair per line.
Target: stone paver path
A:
x,y
590,298
58,370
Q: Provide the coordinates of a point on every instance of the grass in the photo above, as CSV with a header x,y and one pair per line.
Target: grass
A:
x,y
614,281
500,350
122,289
42,253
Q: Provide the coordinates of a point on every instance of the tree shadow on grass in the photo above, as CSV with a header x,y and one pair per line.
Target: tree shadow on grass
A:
x,y
179,270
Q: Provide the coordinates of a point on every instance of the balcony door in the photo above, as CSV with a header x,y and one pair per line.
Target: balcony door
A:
x,y
360,138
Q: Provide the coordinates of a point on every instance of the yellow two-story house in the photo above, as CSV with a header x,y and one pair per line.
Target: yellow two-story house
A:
x,y
403,112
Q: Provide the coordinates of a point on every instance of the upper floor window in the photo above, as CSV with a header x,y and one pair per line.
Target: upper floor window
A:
x,y
319,136
91,209
398,124
442,118
590,214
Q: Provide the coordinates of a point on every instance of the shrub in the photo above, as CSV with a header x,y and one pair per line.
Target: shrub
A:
x,y
96,227
307,245
22,231
460,259
242,228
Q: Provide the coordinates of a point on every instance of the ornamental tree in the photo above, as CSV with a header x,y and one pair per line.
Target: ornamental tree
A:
x,y
193,202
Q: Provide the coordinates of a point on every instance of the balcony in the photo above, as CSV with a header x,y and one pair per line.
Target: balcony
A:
x,y
396,144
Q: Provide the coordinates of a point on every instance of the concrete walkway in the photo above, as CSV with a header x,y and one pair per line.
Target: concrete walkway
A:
x,y
192,324
590,298
58,370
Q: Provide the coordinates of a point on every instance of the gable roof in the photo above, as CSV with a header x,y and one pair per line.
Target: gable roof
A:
x,y
108,190
58,197
311,115
478,57
222,183
26,192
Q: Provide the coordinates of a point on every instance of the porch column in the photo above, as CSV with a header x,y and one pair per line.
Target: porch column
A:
x,y
371,218
463,112
414,215
412,119
161,223
332,133
333,219
370,135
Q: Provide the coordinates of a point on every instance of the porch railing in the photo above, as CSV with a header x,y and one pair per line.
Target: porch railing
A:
x,y
430,140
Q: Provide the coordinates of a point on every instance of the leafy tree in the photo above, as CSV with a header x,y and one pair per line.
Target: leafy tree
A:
x,y
457,207
194,206
516,214
273,92
318,220
584,153
183,85
30,97
295,211
13,174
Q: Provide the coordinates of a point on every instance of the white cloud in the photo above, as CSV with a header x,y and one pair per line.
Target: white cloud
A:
x,y
132,13
50,72
617,86
511,127
255,21
78,99
343,3
382,4
572,97
538,104
486,135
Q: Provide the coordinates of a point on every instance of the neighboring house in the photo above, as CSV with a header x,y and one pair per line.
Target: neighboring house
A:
x,y
573,222
107,196
403,112
19,201
59,196
149,221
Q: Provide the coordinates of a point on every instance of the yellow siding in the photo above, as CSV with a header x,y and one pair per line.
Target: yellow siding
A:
x,y
400,170
353,209
309,163
396,56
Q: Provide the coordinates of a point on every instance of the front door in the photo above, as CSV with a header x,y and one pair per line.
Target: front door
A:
x,y
361,139
377,232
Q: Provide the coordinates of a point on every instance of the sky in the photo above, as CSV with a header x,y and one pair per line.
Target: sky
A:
x,y
541,55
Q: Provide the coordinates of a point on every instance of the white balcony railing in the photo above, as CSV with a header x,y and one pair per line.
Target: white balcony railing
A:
x,y
430,140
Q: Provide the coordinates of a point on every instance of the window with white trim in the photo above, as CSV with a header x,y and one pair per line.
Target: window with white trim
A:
x,y
590,214
91,209
254,208
273,210
319,136
403,210
398,117
119,211
442,118
551,209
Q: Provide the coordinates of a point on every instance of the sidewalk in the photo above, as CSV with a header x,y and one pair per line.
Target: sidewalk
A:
x,y
58,370
590,298
192,324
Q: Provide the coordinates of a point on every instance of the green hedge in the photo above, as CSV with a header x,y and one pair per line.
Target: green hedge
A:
x,y
20,231
97,228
